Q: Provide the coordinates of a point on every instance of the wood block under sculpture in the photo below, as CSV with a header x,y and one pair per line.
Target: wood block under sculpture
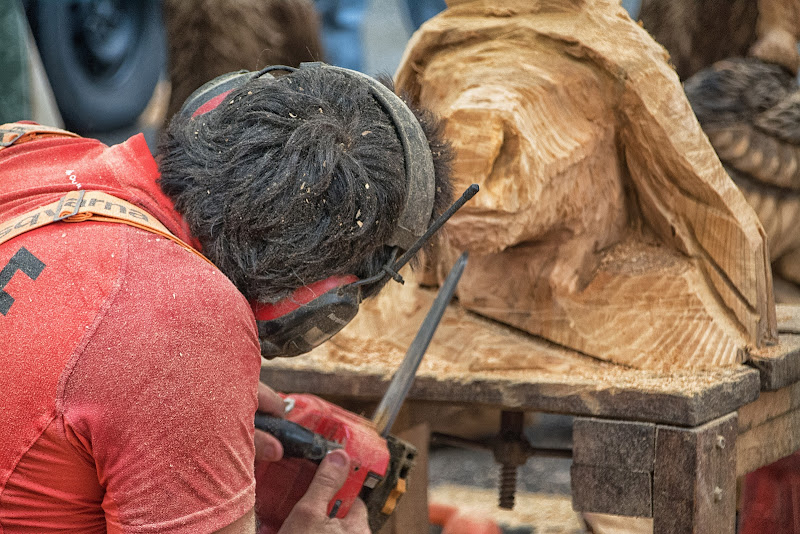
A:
x,y
605,221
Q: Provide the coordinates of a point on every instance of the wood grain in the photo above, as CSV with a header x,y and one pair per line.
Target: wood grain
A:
x,y
612,466
769,405
769,442
749,109
477,361
769,429
612,491
605,221
621,444
779,366
694,482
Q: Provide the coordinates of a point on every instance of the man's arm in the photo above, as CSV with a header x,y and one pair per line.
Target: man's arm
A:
x,y
309,514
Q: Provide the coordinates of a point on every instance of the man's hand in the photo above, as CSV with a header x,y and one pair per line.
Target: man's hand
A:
x,y
310,512
268,448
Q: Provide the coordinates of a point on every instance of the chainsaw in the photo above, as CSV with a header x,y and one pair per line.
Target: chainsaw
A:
x,y
379,462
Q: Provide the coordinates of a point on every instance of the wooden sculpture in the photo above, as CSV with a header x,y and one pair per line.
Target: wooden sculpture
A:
x,y
748,103
209,38
750,111
605,221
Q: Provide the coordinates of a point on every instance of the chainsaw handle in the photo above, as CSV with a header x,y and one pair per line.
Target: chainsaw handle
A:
x,y
297,440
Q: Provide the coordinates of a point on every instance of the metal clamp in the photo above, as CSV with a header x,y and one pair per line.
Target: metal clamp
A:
x,y
12,140
57,217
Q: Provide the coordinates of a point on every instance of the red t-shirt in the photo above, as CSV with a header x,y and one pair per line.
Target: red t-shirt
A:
x,y
128,365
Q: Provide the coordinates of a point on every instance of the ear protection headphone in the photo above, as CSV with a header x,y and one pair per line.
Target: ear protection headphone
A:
x,y
314,313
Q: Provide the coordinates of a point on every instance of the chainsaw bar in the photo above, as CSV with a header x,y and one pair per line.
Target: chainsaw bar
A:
x,y
401,382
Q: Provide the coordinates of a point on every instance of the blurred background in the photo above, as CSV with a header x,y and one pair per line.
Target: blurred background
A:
x,y
111,68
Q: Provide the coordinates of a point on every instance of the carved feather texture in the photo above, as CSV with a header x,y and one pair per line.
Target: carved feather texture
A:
x,y
750,111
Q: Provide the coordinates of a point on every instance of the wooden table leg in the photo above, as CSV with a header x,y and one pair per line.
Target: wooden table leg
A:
x,y
684,478
694,478
612,466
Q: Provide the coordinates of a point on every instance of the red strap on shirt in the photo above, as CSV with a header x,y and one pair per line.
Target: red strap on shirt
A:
x,y
15,133
79,206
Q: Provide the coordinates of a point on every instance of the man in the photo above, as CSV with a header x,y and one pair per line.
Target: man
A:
x,y
130,363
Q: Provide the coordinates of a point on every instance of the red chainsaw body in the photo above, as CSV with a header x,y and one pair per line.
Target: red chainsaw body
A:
x,y
279,485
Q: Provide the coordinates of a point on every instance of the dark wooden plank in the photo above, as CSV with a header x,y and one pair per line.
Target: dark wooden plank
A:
x,y
611,491
680,398
694,480
769,405
768,442
612,464
618,444
769,429
779,366
526,373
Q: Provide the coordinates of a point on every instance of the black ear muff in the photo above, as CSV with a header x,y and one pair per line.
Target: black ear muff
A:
x,y
307,318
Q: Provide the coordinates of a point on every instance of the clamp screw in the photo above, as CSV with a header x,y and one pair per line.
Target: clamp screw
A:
x,y
508,485
511,450
720,442
717,494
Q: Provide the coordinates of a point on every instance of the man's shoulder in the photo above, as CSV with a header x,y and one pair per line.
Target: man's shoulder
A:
x,y
171,371
171,316
175,277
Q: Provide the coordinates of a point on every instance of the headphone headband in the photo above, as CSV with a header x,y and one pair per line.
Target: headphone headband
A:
x,y
416,214
207,96
316,312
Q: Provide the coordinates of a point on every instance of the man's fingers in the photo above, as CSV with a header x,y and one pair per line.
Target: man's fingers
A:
x,y
356,521
330,476
269,401
268,448
310,512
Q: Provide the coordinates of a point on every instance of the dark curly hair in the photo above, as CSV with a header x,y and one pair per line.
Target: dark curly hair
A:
x,y
294,179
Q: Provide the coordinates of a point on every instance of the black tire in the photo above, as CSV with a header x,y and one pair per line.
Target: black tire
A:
x,y
103,58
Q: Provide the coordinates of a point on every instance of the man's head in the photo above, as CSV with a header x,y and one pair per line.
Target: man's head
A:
x,y
291,180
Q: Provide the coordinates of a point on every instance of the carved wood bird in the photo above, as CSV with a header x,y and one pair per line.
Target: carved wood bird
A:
x,y
750,110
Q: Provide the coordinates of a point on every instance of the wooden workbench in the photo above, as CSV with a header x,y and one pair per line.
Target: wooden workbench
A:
x,y
663,445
